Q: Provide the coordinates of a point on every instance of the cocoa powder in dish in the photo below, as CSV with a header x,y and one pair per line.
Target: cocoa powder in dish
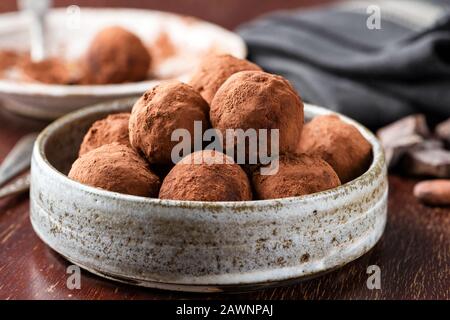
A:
x,y
113,128
116,168
52,71
162,49
297,175
8,59
206,176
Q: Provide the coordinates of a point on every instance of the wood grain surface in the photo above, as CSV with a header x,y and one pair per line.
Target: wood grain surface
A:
x,y
413,254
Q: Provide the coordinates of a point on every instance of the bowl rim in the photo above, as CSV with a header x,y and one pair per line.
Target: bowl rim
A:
x,y
378,162
106,90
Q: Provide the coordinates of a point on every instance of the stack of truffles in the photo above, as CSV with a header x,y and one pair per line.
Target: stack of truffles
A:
x,y
132,153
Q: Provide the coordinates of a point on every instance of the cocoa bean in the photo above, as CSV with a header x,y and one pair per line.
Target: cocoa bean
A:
x,y
428,162
433,192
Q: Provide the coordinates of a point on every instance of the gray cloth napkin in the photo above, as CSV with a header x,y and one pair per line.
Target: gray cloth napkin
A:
x,y
375,76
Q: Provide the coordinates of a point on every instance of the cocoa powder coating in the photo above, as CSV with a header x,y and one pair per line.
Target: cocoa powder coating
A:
x,y
116,168
113,128
166,107
116,55
206,176
259,100
297,175
338,143
51,71
214,70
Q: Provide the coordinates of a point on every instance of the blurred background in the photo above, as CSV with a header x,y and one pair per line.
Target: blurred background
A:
x,y
375,61
227,13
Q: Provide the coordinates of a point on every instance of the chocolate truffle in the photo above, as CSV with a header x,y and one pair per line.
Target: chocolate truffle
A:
x,y
117,168
297,175
166,107
338,143
116,55
206,176
214,70
259,100
113,128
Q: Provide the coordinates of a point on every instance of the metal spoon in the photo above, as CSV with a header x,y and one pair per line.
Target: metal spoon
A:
x,y
16,162
37,9
20,185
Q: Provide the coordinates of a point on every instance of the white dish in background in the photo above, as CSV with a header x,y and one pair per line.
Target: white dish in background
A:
x,y
39,100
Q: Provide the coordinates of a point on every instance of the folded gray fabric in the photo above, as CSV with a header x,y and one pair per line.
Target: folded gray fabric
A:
x,y
375,76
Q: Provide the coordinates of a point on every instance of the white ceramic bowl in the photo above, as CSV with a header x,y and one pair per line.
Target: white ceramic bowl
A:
x,y
70,38
199,246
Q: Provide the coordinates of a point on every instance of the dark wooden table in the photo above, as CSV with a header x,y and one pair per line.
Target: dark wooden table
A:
x,y
413,254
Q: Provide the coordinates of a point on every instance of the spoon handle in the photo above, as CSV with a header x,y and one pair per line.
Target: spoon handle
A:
x,y
20,185
37,38
37,9
18,159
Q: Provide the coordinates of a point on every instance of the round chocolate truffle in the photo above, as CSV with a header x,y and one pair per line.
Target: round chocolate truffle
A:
x,y
297,175
159,112
214,70
113,128
117,168
116,55
206,176
338,143
259,100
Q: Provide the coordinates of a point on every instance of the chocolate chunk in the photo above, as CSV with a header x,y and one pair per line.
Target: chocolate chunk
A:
x,y
433,192
397,149
430,144
411,125
428,162
402,136
443,131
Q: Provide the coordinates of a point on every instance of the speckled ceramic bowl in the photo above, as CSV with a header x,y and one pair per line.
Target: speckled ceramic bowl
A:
x,y
199,246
